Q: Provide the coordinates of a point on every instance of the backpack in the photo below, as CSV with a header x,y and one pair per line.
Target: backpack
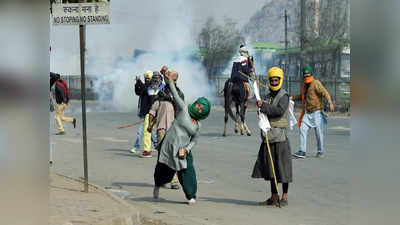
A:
x,y
64,86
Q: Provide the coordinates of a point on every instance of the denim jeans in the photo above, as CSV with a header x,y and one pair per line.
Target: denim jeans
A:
x,y
314,120
139,139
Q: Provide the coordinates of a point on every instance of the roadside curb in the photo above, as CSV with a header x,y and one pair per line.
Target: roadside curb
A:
x,y
134,217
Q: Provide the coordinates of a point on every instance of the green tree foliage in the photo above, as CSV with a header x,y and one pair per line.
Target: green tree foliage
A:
x,y
218,44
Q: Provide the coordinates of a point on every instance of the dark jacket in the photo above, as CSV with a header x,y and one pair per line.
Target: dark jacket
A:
x,y
145,100
241,65
61,94
275,111
166,95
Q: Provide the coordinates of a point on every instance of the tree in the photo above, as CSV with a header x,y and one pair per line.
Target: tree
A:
x,y
218,44
329,23
326,28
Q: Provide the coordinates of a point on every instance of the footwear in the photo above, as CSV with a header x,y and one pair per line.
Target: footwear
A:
x,y
300,154
269,202
156,192
133,150
192,201
60,133
146,155
284,202
74,123
320,155
175,186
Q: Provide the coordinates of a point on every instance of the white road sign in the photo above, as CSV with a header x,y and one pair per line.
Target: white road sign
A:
x,y
81,13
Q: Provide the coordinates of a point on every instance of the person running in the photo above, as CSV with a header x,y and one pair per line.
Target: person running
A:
x,y
62,99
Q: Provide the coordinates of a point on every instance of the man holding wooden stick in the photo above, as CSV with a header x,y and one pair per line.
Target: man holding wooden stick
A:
x,y
144,105
274,162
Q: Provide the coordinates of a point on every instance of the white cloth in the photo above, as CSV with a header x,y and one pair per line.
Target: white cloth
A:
x,y
263,122
256,91
291,118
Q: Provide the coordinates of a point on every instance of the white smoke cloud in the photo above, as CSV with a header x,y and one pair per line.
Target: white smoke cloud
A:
x,y
172,44
169,28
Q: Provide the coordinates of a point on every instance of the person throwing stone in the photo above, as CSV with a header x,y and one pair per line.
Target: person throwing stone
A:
x,y
175,150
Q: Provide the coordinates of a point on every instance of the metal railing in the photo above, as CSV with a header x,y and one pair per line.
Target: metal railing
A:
x,y
339,89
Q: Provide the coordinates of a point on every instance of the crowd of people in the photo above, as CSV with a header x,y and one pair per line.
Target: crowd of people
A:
x,y
171,128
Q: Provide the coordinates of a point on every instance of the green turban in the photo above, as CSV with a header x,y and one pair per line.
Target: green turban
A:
x,y
195,114
307,68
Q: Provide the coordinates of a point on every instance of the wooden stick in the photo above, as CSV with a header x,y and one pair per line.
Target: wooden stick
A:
x,y
273,168
131,125
259,83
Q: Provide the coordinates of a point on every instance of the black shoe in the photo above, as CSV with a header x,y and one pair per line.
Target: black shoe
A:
x,y
60,133
74,123
284,203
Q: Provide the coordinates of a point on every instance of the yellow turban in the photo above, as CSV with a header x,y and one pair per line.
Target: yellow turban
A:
x,y
275,72
148,74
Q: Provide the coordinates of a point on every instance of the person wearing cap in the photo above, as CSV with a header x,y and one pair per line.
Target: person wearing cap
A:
x,y
275,106
144,105
175,150
242,69
312,93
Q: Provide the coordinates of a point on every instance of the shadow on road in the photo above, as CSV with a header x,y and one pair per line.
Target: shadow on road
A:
x,y
128,154
151,199
121,184
229,201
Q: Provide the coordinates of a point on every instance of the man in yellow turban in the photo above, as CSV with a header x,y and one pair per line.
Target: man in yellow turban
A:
x,y
275,106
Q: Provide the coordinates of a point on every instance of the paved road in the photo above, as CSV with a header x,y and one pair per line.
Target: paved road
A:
x,y
226,193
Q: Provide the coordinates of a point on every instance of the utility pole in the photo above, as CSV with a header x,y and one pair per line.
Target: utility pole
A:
x,y
316,18
286,56
302,32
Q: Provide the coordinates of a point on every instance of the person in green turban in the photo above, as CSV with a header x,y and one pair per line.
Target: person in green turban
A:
x,y
175,150
200,109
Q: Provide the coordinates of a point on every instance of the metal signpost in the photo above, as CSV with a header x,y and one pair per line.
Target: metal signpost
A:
x,y
82,14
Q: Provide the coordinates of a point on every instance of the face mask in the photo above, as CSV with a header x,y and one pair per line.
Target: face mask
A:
x,y
308,80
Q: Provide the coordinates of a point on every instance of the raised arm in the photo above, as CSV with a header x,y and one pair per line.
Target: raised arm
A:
x,y
140,88
180,104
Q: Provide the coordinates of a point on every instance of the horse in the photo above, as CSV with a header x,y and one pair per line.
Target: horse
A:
x,y
235,92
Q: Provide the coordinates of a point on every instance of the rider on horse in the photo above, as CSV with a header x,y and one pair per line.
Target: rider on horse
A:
x,y
242,69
